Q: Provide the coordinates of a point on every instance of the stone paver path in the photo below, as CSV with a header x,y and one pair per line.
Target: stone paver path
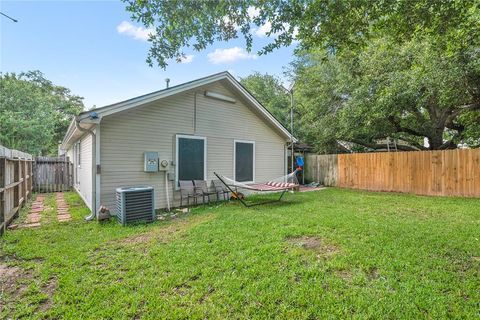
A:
x,y
62,208
34,216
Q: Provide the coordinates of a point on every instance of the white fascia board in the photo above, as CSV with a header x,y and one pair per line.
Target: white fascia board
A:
x,y
68,134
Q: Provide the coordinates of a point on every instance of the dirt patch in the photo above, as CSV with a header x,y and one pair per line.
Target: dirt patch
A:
x,y
48,289
315,244
206,295
165,234
345,275
15,281
182,289
372,273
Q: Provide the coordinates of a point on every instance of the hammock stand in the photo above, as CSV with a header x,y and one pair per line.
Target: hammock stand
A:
x,y
256,187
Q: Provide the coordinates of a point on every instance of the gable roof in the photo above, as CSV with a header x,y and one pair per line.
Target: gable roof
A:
x,y
86,116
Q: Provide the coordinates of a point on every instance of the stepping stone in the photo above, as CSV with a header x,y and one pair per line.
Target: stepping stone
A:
x,y
34,219
31,225
63,213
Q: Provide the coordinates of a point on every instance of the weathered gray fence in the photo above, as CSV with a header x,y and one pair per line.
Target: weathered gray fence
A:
x,y
51,174
15,183
322,169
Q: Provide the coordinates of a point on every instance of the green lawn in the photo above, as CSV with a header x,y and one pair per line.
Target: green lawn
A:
x,y
327,254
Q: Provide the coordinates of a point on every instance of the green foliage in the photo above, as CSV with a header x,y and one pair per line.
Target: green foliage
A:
x,y
417,89
34,113
270,92
336,25
366,70
376,256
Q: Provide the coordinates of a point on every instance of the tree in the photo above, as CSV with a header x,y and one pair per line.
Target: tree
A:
x,y
418,89
34,113
329,24
271,94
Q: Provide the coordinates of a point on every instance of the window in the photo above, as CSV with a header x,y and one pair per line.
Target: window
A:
x,y
79,149
244,161
191,158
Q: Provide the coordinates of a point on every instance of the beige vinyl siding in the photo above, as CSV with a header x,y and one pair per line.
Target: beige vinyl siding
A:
x,y
153,127
84,185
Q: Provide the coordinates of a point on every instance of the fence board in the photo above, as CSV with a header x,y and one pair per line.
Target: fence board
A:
x,y
322,169
448,172
15,183
52,174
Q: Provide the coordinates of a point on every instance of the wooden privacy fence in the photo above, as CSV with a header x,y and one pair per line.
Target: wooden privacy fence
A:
x,y
15,183
52,174
322,169
447,172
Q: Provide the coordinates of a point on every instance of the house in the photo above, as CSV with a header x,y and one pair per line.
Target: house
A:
x,y
206,125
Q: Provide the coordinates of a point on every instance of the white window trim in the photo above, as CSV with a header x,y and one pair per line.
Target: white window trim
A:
x,y
76,151
179,136
235,158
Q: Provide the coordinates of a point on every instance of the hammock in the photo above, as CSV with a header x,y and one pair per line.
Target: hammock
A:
x,y
285,183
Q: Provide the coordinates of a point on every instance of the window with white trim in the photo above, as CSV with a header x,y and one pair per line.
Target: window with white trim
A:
x,y
244,161
191,158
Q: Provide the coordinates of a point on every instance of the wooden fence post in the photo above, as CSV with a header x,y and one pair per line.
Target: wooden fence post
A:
x,y
16,189
3,224
25,180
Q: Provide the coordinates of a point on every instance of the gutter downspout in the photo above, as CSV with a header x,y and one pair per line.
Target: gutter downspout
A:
x,y
93,214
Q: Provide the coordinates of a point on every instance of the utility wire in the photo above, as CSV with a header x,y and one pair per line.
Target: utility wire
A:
x,y
3,14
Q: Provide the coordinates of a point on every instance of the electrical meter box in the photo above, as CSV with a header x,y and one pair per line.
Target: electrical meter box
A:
x,y
150,161
163,165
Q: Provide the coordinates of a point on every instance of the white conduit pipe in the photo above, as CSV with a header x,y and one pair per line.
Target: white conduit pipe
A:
x,y
166,188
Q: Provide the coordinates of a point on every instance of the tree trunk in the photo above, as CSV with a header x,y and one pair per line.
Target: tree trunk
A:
x,y
436,140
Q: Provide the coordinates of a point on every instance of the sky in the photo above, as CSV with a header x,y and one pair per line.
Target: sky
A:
x,y
94,49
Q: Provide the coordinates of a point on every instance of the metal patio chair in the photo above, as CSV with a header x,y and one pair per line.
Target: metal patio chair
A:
x,y
188,191
201,188
220,189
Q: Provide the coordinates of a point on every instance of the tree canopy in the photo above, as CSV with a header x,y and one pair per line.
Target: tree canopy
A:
x,y
365,69
408,91
270,92
34,113
336,25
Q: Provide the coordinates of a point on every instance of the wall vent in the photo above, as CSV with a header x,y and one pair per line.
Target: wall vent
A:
x,y
135,204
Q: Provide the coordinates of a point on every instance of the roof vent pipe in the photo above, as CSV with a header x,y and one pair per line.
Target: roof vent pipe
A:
x,y
167,81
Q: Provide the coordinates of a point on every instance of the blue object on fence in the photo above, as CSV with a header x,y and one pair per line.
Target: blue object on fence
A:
x,y
300,161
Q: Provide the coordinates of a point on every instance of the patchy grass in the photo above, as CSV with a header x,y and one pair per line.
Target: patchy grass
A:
x,y
333,253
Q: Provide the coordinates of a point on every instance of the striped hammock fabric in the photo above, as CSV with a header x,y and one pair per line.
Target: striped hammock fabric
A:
x,y
287,182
